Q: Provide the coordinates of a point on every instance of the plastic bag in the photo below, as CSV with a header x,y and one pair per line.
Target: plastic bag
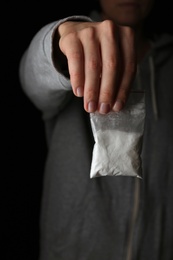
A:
x,y
118,139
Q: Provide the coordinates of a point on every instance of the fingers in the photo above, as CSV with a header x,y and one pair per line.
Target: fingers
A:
x,y
93,67
82,49
110,67
101,67
128,66
102,64
73,50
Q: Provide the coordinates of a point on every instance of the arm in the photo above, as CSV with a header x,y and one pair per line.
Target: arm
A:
x,y
46,86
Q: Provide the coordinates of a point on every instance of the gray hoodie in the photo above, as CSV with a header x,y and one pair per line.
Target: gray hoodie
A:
x,y
104,218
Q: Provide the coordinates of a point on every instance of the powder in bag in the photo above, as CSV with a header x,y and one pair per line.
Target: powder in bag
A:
x,y
118,139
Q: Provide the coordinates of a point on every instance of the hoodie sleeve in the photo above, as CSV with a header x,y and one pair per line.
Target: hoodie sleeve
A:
x,y
45,85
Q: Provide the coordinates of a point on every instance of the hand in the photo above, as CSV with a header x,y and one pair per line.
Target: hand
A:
x,y
101,60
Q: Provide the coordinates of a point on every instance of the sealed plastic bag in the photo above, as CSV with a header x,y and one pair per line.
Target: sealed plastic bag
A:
x,y
118,140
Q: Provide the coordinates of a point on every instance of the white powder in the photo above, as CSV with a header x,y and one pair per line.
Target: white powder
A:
x,y
116,153
118,140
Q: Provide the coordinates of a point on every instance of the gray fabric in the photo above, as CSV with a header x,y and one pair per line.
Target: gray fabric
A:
x,y
90,219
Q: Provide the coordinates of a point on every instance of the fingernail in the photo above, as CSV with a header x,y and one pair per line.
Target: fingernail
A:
x,y
104,108
118,106
79,92
91,106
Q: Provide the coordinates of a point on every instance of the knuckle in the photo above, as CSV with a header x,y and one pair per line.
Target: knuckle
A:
x,y
88,33
106,94
68,38
111,64
91,93
74,56
108,26
128,31
75,77
94,65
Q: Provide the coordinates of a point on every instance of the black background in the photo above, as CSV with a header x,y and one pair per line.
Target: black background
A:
x,y
23,146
